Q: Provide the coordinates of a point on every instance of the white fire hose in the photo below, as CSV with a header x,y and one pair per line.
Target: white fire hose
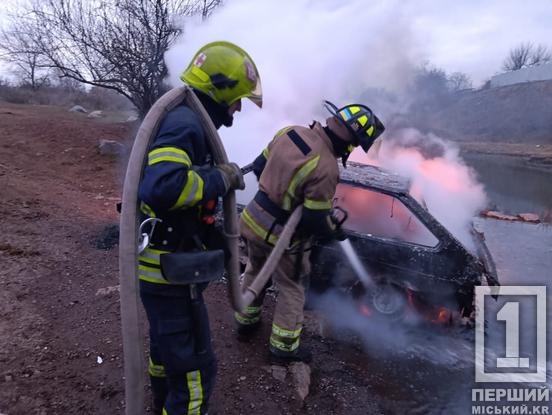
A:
x,y
133,351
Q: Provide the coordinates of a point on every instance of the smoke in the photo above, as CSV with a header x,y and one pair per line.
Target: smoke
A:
x,y
306,51
381,337
439,177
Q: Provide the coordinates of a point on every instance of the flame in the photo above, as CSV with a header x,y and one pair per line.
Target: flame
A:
x,y
380,215
440,180
410,298
364,310
442,316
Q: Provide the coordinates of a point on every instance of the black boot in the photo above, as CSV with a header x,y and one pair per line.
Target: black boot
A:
x,y
246,330
301,354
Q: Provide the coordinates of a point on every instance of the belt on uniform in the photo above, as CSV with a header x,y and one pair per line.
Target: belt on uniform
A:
x,y
280,215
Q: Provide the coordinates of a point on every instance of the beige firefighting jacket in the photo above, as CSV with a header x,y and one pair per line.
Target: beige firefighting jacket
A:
x,y
301,167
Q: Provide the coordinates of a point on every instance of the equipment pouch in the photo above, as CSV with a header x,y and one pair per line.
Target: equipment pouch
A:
x,y
186,268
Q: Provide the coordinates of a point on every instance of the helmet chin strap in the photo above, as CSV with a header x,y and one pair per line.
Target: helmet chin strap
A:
x,y
340,146
344,159
218,112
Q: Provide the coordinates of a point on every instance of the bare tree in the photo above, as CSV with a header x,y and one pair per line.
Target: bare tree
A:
x,y
541,54
518,57
525,55
458,81
113,44
208,6
18,50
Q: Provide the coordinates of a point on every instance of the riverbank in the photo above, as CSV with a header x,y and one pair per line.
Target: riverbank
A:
x,y
530,156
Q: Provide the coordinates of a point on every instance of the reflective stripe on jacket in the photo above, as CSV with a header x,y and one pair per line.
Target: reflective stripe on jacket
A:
x,y
299,167
178,174
178,180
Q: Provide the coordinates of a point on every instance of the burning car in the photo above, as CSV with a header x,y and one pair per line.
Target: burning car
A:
x,y
412,259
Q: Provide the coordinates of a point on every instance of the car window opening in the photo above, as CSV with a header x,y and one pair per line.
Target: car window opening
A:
x,y
369,216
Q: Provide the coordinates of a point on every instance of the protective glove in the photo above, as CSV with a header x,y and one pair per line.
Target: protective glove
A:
x,y
336,231
330,230
339,234
231,176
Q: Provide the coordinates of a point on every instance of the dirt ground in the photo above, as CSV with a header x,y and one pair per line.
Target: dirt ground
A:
x,y
60,341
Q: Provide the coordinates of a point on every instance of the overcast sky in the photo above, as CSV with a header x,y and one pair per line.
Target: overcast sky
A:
x,y
471,36
474,36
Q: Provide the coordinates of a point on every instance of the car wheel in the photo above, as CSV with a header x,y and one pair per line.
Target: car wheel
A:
x,y
383,301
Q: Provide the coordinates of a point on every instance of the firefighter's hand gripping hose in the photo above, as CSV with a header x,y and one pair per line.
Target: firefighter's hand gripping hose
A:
x,y
134,361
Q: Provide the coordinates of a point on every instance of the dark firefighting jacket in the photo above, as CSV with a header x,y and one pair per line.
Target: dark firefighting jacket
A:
x,y
179,185
299,166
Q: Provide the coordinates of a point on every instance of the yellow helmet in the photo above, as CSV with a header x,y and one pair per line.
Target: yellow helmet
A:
x,y
225,72
361,122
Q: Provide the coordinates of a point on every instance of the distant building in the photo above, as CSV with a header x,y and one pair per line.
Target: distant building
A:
x,y
534,73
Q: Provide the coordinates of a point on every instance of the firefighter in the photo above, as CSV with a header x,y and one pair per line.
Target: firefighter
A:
x,y
299,166
180,186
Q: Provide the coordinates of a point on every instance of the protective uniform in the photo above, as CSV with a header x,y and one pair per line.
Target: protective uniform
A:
x,y
181,186
299,166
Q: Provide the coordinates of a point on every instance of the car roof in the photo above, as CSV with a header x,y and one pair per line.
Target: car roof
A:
x,y
366,175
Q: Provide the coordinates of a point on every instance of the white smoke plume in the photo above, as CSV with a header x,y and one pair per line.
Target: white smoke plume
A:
x,y
439,177
382,337
307,51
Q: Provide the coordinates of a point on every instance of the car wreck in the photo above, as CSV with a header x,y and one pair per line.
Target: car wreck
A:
x,y
410,256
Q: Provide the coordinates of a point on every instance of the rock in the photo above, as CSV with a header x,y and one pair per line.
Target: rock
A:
x,y
301,375
497,215
529,217
278,372
78,108
132,118
95,114
8,378
108,290
111,148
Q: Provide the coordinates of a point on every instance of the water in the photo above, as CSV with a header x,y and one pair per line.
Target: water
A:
x,y
356,264
511,186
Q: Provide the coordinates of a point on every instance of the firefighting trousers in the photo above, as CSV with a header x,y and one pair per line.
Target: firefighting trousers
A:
x,y
288,314
181,378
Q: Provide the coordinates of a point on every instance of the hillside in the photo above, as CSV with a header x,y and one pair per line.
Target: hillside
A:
x,y
520,113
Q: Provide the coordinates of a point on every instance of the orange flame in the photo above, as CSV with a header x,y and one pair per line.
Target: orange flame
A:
x,y
364,310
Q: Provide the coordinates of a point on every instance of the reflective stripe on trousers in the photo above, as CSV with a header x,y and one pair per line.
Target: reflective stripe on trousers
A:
x,y
285,340
251,315
195,389
189,375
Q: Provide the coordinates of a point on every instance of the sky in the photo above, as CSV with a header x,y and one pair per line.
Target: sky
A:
x,y
309,50
474,36
471,36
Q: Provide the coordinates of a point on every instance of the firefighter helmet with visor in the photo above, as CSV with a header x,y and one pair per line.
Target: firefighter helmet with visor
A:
x,y
361,122
225,72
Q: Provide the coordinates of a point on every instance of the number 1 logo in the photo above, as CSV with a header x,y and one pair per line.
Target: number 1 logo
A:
x,y
509,313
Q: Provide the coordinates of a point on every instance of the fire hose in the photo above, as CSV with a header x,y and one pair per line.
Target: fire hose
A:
x,y
133,350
